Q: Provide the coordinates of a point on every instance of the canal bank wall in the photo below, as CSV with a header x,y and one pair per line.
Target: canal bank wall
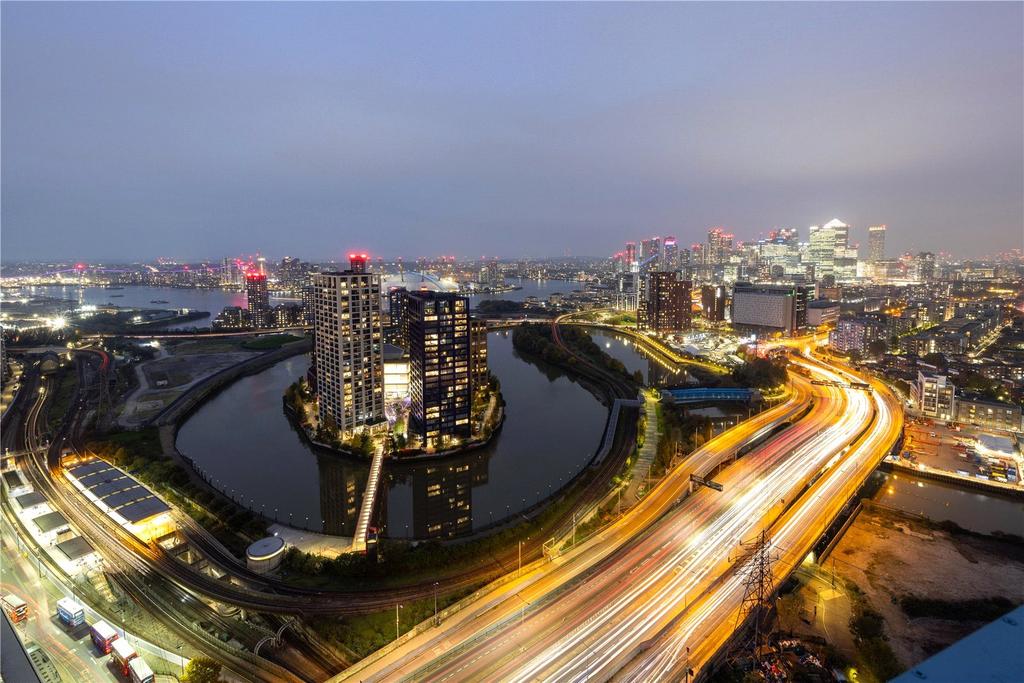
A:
x,y
986,485
181,407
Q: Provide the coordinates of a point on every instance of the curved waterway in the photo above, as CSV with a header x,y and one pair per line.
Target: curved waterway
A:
x,y
243,442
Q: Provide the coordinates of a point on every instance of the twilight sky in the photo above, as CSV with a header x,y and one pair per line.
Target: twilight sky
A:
x,y
134,130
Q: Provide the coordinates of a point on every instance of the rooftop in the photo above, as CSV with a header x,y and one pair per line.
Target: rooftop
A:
x,y
117,490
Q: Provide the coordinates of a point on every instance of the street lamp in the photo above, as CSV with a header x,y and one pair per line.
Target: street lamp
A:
x,y
397,607
435,603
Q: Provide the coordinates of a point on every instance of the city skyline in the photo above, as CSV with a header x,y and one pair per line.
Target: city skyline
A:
x,y
146,130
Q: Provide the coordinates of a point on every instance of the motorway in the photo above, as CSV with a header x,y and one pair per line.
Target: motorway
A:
x,y
663,580
631,600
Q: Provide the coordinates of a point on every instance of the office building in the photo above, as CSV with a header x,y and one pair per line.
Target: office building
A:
x,y
876,243
665,303
769,308
257,299
348,348
712,299
822,312
934,396
438,335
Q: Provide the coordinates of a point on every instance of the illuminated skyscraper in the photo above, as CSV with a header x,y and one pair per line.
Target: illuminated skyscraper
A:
x,y
630,254
348,345
876,243
441,365
650,254
257,299
719,247
670,254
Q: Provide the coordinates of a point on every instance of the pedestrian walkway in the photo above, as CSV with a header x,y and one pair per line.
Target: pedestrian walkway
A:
x,y
645,458
366,511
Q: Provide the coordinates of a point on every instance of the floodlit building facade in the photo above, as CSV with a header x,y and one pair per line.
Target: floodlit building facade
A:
x,y
257,299
769,308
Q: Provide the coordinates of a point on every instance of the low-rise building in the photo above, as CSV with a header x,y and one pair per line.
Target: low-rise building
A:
x,y
822,312
986,413
934,396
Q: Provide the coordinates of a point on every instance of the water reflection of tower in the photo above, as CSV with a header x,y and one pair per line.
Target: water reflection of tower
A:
x,y
442,496
341,493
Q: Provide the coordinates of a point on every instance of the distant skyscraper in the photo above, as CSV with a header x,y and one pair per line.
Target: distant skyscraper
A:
x,y
670,254
630,254
650,253
876,243
923,269
348,347
257,299
664,303
719,246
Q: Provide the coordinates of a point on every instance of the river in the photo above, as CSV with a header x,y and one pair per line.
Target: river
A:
x,y
552,428
242,439
214,301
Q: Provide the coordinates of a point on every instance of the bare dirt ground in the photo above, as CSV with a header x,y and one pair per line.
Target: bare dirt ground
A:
x,y
179,366
888,556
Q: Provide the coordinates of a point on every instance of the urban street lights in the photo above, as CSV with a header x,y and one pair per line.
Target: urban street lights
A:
x,y
397,607
435,603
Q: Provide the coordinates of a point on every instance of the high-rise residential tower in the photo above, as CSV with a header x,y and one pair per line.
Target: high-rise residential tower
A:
x,y
348,347
665,303
257,299
438,333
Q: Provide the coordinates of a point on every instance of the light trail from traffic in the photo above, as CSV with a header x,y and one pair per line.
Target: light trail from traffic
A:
x,y
570,623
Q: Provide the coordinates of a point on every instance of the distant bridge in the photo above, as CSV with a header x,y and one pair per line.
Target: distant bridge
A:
x,y
705,395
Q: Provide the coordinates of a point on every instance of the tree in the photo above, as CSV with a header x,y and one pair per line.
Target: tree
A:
x,y
877,347
202,670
